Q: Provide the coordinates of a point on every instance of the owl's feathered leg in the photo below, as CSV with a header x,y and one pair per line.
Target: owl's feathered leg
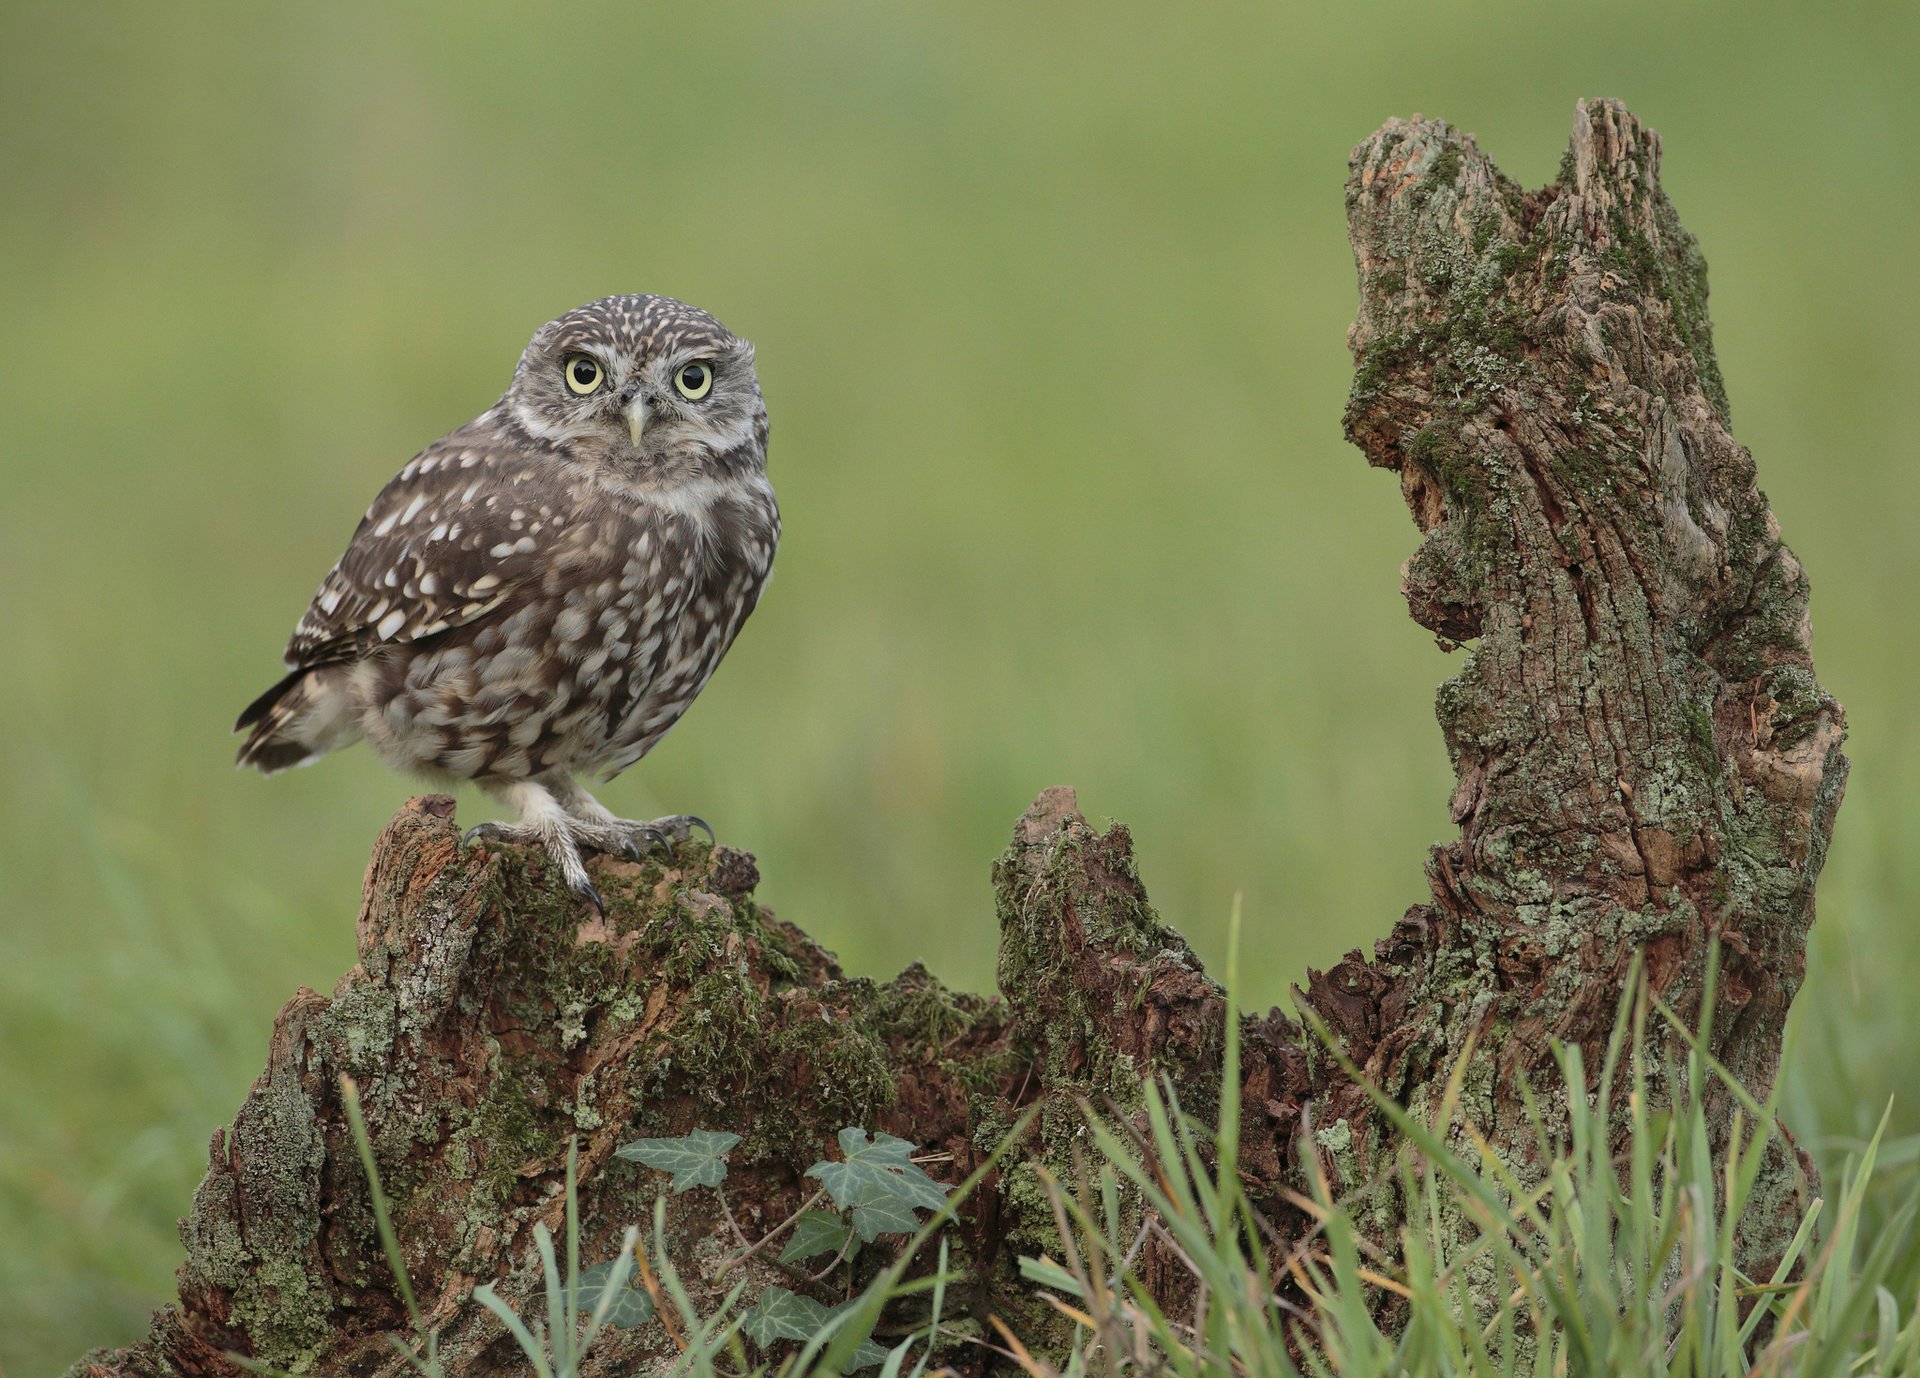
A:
x,y
597,828
544,822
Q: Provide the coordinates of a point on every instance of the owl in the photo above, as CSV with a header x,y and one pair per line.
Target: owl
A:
x,y
540,594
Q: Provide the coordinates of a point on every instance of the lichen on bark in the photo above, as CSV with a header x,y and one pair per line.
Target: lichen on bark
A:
x,y
1646,766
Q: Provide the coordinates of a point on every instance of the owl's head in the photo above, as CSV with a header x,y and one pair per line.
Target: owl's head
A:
x,y
652,388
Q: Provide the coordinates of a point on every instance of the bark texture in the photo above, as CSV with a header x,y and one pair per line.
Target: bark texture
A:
x,y
1645,761
1645,765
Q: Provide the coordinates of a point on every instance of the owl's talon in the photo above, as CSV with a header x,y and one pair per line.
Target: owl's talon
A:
x,y
583,890
494,832
634,839
615,839
644,837
677,829
562,848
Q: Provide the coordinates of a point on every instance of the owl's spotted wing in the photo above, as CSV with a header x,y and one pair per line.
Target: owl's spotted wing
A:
x,y
455,531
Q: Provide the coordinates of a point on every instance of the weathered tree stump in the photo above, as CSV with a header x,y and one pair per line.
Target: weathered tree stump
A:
x,y
1646,766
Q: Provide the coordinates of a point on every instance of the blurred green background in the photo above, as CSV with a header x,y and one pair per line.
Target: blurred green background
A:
x,y
1050,303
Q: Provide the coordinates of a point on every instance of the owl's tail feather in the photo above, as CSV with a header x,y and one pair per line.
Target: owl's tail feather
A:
x,y
299,720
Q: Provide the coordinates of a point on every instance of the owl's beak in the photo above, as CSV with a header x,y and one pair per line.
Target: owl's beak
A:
x,y
638,415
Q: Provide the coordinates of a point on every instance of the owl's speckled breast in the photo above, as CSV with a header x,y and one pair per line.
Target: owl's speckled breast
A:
x,y
725,557
589,663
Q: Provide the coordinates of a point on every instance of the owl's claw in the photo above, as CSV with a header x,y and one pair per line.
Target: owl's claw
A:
x,y
580,822
622,839
677,829
561,849
633,839
582,889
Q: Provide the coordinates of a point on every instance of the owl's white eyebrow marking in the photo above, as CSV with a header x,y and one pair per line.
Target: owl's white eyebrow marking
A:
x,y
535,424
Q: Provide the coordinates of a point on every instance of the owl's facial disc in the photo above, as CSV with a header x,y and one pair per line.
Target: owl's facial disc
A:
x,y
645,387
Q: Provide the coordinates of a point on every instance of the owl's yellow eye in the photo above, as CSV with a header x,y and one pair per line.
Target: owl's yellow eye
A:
x,y
583,373
695,380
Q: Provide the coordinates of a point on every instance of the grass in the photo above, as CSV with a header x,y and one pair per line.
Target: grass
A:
x,y
1050,306
1611,1250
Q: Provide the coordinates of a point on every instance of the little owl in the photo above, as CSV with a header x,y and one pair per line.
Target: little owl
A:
x,y
544,591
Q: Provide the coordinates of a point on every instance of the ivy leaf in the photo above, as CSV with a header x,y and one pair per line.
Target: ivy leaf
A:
x,y
866,1356
814,1234
698,1159
632,1306
880,1183
778,1314
887,1215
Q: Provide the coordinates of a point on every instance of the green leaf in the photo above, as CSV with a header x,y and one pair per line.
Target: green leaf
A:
x,y
886,1215
632,1306
867,1353
880,1183
778,1314
698,1159
896,1358
1048,1274
814,1234
866,1356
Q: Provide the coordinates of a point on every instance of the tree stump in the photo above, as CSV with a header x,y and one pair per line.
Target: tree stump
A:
x,y
1645,764
1646,767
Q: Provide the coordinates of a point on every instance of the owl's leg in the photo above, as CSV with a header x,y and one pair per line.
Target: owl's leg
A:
x,y
546,824
596,826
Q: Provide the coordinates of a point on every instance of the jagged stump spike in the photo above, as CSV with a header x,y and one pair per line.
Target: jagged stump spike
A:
x,y
1645,762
